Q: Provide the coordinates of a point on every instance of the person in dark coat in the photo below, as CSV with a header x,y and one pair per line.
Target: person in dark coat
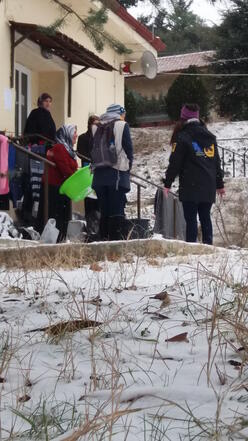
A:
x,y
91,205
111,183
63,155
84,143
195,159
40,120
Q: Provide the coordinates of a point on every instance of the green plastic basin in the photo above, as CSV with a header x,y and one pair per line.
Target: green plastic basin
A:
x,y
78,186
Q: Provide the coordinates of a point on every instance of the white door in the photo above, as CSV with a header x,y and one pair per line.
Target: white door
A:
x,y
22,102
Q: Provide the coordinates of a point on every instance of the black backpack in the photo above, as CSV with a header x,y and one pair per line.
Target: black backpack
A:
x,y
103,151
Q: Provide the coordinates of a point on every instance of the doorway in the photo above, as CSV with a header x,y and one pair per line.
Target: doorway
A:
x,y
22,100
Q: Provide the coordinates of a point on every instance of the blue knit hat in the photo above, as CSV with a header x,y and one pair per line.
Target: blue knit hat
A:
x,y
116,108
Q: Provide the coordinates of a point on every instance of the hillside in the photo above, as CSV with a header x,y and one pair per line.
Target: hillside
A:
x,y
152,151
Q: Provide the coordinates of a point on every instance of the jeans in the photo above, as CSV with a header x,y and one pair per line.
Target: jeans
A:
x,y
203,209
112,204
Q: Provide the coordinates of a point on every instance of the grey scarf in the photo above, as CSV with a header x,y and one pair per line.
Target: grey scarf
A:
x,y
64,136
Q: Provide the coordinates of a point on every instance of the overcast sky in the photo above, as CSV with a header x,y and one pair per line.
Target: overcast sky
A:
x,y
212,14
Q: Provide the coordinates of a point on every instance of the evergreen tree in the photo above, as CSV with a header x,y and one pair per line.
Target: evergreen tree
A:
x,y
131,107
232,92
93,24
187,89
181,29
128,3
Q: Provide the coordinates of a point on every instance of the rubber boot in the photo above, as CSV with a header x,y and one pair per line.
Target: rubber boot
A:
x,y
104,229
116,228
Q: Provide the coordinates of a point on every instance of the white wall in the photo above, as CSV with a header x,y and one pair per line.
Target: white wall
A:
x,y
92,91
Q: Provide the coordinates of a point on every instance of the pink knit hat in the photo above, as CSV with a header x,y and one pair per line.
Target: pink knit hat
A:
x,y
186,113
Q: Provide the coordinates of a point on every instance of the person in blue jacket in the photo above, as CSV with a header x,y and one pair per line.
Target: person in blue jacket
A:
x,y
111,183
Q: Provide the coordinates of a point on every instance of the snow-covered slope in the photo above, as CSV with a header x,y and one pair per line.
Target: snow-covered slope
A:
x,y
169,369
152,147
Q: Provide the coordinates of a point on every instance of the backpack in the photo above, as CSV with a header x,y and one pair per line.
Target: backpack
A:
x,y
103,151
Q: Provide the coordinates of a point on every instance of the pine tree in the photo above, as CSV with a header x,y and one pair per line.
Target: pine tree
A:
x,y
93,25
232,92
181,29
128,3
187,89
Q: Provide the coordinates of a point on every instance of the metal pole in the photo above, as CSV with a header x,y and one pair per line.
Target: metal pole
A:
x,y
244,164
46,194
139,201
69,89
233,165
223,160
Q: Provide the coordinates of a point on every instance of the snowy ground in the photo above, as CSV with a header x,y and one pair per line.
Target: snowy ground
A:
x,y
123,380
152,151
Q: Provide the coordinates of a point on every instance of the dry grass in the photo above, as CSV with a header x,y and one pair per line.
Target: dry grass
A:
x,y
224,323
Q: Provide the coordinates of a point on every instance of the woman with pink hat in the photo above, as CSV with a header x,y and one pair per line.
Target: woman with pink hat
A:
x,y
195,159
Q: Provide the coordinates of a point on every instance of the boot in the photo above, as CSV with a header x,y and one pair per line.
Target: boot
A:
x,y
104,228
116,228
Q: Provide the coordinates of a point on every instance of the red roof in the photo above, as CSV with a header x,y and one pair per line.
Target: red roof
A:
x,y
175,63
141,29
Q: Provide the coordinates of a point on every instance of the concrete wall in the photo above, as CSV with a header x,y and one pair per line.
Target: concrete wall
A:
x,y
149,88
92,91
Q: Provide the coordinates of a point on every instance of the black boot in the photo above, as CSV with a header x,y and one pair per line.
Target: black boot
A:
x,y
116,228
104,228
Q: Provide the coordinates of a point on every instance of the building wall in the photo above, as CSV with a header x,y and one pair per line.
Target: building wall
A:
x,y
151,88
92,91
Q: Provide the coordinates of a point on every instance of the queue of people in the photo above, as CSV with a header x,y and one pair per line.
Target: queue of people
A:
x,y
107,146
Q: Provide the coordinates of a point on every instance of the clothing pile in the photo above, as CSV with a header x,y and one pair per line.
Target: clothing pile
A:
x,y
21,179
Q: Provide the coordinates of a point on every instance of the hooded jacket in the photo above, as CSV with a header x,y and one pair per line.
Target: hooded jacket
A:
x,y
195,159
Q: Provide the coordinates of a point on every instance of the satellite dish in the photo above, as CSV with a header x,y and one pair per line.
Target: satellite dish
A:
x,y
147,65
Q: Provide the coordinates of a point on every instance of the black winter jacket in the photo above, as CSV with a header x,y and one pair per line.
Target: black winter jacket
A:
x,y
195,159
40,121
84,146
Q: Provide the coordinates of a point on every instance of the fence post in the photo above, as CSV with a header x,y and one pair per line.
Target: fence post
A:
x,y
244,164
233,165
139,201
223,160
46,195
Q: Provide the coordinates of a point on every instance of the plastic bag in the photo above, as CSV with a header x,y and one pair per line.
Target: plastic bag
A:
x,y
50,232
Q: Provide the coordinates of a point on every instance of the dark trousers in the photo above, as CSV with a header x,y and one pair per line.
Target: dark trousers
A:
x,y
59,208
112,204
203,209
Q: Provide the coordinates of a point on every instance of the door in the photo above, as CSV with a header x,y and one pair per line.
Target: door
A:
x,y
22,102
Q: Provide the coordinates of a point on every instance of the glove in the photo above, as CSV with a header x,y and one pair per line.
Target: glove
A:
x,y
221,192
166,191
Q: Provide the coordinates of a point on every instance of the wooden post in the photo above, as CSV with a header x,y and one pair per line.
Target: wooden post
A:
x,y
139,201
12,57
46,194
69,88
